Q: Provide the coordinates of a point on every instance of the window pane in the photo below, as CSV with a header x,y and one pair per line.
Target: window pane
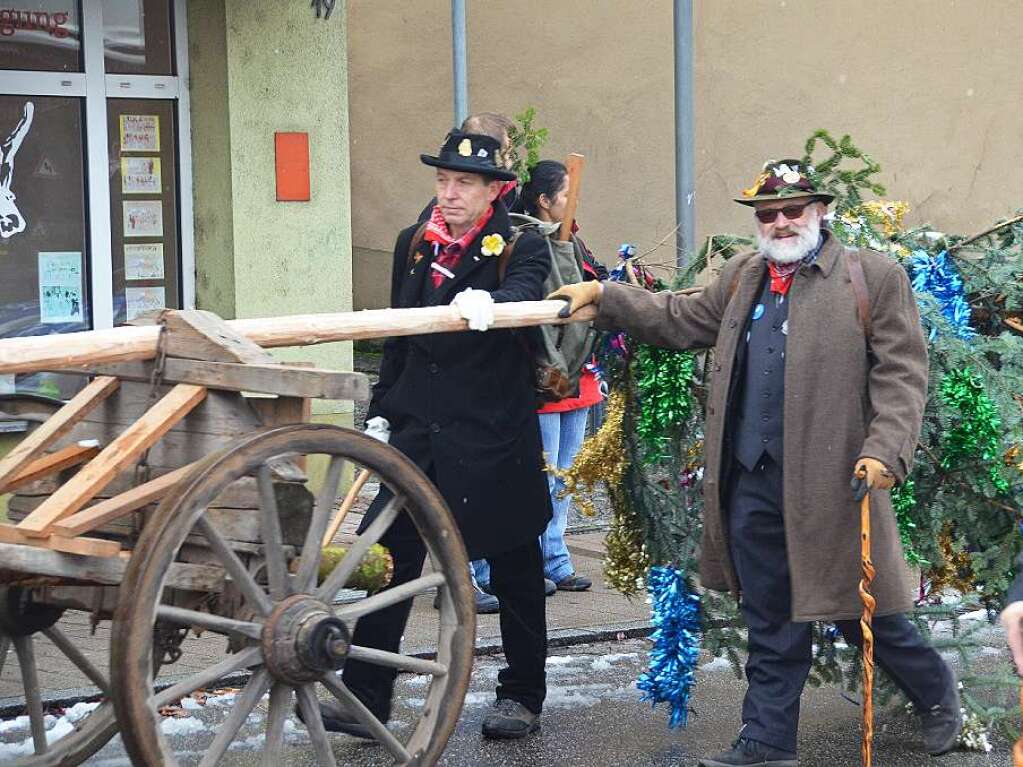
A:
x,y
40,35
137,37
143,206
43,253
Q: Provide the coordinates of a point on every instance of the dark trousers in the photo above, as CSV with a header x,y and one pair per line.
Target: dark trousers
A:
x,y
779,649
516,578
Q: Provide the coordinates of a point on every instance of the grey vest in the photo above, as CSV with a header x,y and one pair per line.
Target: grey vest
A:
x,y
759,418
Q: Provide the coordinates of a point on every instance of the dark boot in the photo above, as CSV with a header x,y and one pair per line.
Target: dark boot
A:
x,y
336,718
574,583
508,719
943,722
751,753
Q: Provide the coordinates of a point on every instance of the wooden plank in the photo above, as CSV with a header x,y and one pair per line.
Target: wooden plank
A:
x,y
121,505
77,491
33,560
574,166
198,335
285,380
56,426
122,344
53,463
89,547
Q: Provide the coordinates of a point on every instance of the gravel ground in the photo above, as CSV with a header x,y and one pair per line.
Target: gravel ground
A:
x,y
369,363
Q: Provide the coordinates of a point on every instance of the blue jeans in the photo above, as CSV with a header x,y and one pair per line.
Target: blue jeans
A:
x,y
562,435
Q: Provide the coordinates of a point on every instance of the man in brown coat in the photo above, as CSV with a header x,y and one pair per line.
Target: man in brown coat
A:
x,y
819,373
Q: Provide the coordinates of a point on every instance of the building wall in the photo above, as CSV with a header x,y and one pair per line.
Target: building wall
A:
x,y
929,88
258,67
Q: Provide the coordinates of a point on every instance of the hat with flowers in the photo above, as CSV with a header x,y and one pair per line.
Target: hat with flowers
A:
x,y
782,179
470,153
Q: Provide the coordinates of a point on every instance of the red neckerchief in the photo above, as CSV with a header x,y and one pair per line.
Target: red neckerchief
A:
x,y
781,275
507,188
438,233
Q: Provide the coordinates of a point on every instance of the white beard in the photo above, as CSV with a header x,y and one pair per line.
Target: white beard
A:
x,y
791,249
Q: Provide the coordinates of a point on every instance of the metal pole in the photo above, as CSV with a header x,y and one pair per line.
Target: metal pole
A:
x,y
459,58
685,238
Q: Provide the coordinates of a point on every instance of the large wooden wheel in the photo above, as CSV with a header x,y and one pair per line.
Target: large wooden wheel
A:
x,y
288,634
37,636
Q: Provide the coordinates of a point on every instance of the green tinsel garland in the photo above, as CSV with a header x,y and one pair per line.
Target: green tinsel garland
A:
x,y
664,397
979,434
903,503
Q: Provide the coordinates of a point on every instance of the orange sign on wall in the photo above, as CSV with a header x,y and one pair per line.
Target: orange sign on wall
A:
x,y
292,165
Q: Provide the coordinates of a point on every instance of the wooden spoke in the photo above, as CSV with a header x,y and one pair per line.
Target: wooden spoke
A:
x,y
5,647
310,708
243,705
356,708
76,656
273,543
234,566
250,656
215,623
390,597
280,705
312,548
396,660
340,575
33,699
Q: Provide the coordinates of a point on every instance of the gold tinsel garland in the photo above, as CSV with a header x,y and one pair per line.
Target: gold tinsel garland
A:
x,y
956,570
601,458
625,559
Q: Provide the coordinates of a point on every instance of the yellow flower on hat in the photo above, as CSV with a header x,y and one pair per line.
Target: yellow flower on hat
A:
x,y
465,148
752,191
492,245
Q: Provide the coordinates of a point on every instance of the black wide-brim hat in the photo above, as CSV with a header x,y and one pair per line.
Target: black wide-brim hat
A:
x,y
783,180
470,153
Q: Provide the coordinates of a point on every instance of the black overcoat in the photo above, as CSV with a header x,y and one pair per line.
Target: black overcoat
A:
x,y
461,405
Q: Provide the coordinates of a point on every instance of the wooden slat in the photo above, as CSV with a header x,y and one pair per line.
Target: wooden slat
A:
x,y
119,506
89,547
285,380
57,425
79,490
199,335
55,462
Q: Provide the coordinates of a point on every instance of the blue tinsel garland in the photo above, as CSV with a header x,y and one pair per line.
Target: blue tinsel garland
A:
x,y
676,638
938,276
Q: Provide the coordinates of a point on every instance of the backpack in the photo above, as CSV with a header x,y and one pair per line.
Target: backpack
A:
x,y
558,352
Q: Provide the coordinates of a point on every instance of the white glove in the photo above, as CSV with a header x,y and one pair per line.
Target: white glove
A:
x,y
379,428
476,306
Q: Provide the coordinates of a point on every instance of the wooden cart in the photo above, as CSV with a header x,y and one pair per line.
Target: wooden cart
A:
x,y
162,499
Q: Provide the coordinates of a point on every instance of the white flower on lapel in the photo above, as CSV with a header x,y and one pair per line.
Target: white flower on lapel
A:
x,y
492,245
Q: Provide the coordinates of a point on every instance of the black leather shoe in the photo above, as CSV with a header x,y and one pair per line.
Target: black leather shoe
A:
x,y
337,719
943,723
751,753
508,719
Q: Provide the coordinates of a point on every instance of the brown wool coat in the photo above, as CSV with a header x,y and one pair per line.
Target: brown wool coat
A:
x,y
838,406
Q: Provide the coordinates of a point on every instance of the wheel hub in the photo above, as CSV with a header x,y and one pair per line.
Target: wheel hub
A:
x,y
303,639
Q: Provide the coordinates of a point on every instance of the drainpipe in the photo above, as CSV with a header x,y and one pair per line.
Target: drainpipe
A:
x,y
685,237
459,56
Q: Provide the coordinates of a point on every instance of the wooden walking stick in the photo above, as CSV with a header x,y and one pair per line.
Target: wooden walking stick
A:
x,y
574,166
346,506
1017,750
865,620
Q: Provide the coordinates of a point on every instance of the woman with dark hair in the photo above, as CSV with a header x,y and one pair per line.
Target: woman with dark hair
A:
x,y
563,423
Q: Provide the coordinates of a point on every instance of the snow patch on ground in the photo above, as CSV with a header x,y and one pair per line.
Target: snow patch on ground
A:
x,y
59,728
605,662
560,660
79,711
186,726
718,664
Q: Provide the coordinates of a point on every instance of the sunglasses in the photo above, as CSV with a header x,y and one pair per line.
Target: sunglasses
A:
x,y
792,212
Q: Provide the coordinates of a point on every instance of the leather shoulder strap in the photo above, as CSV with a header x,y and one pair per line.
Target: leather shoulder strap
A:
x,y
414,244
505,257
859,286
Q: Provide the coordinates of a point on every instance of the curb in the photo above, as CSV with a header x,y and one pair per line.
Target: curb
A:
x,y
11,707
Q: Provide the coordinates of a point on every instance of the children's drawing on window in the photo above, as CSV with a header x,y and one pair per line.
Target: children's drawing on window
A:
x,y
11,220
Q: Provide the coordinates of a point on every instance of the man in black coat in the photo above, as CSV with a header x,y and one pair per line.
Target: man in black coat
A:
x,y
461,405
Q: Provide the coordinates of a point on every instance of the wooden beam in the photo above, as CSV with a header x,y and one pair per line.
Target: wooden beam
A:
x,y
54,462
126,448
574,165
56,426
89,547
200,335
283,380
104,512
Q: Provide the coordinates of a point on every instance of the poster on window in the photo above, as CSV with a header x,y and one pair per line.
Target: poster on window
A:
x,y
140,133
140,175
143,261
143,218
141,300
60,287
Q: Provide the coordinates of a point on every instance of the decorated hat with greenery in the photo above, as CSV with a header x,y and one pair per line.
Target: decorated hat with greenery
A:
x,y
783,179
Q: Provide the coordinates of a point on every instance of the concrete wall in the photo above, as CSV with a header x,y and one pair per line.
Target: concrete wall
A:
x,y
261,66
930,88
